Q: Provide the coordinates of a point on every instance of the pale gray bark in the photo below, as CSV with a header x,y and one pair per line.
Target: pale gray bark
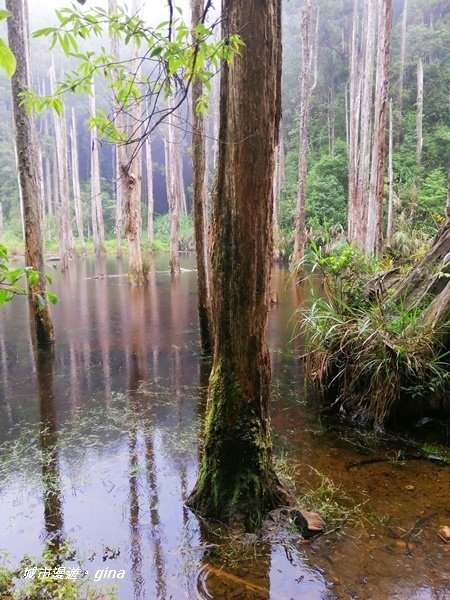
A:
x,y
401,72
305,100
76,183
150,198
131,173
375,206
179,176
367,115
419,111
390,213
63,212
354,113
98,229
120,156
30,177
172,192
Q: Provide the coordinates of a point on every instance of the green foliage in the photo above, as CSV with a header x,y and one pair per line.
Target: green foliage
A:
x,y
374,353
7,58
432,198
169,61
11,281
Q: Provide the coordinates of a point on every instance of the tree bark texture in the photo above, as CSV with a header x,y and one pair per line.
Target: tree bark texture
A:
x,y
422,279
305,100
63,211
374,231
30,176
237,481
173,189
150,197
76,183
401,71
199,196
390,212
419,111
119,152
98,229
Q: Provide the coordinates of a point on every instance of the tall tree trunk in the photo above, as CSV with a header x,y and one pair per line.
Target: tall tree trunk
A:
x,y
237,481
419,111
120,155
76,184
401,70
150,198
98,229
131,174
278,183
354,114
366,125
390,213
29,167
305,98
179,177
375,206
172,192
63,212
199,195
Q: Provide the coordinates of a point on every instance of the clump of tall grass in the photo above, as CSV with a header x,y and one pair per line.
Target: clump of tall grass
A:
x,y
371,353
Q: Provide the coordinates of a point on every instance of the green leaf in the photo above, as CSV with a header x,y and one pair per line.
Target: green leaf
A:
x,y
5,296
43,32
4,14
33,277
7,59
53,298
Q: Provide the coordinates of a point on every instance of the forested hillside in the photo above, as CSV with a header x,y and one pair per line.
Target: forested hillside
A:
x,y
420,44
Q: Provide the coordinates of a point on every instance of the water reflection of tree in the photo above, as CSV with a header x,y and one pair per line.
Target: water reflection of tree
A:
x,y
137,373
48,439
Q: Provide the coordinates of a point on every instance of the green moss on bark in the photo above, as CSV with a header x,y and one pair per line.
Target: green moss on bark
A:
x,y
237,483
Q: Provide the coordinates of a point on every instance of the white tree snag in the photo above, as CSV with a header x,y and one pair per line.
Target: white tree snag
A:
x,y
305,99
375,206
30,176
150,197
401,71
98,229
63,213
363,174
76,183
354,114
419,111
390,212
131,174
172,192
120,156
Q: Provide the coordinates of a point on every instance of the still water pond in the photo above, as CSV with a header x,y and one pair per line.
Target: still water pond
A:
x,y
99,445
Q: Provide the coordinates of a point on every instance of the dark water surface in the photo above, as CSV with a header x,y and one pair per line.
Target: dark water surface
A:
x,y
99,445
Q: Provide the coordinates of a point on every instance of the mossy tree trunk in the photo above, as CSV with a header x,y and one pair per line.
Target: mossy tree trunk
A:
x,y
237,482
30,175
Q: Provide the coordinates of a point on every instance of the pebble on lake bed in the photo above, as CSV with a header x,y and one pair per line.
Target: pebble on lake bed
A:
x,y
444,534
